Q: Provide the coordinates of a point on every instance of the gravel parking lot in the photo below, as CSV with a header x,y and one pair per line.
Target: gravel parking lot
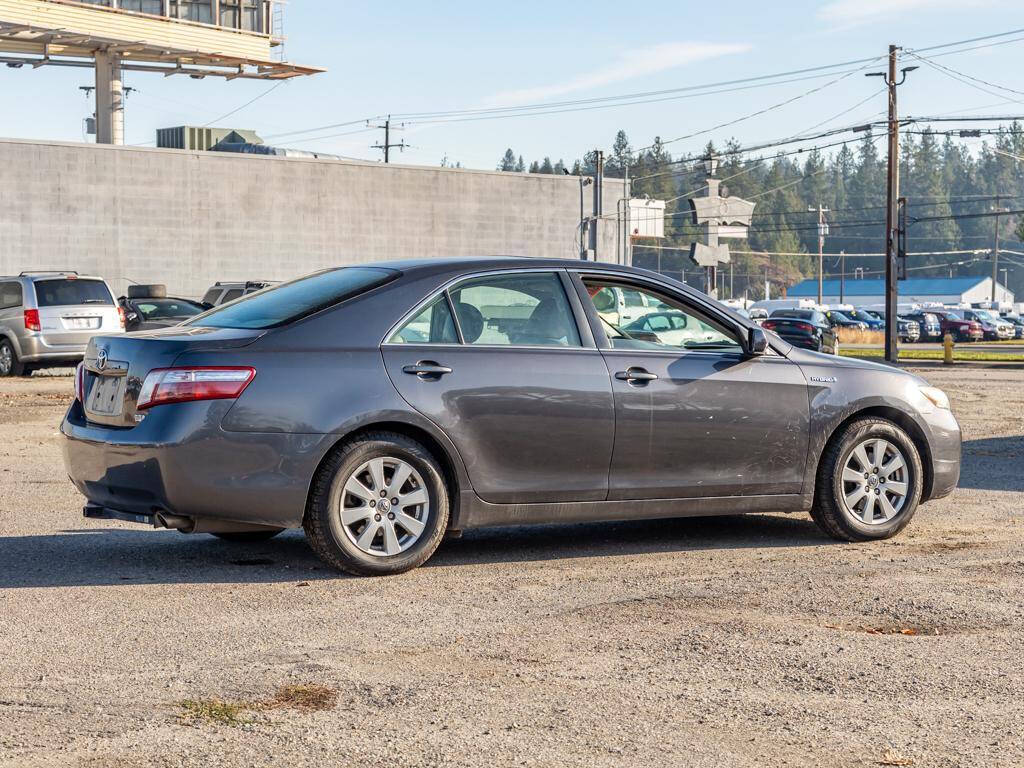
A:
x,y
747,641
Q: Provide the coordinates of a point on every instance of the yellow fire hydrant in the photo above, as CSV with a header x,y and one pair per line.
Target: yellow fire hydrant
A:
x,y
947,347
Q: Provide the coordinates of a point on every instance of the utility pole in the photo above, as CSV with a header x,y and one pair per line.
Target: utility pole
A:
x,y
598,201
842,277
822,231
995,250
732,292
891,212
387,145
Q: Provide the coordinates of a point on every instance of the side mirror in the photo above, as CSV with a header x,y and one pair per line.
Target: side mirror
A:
x,y
757,342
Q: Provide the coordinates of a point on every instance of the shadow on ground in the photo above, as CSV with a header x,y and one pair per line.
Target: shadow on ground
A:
x,y
993,464
117,556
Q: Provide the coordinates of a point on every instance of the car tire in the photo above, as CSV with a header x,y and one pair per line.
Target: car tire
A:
x,y
832,510
9,363
248,537
351,532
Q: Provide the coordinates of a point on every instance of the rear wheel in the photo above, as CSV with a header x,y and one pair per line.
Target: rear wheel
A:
x,y
379,506
9,364
869,482
248,537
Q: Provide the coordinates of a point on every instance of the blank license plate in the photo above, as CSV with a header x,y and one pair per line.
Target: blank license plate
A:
x,y
81,323
106,397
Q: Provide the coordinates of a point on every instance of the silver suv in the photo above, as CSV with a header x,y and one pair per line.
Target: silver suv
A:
x,y
47,319
222,293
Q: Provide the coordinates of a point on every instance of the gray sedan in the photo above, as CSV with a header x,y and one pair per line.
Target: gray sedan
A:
x,y
381,407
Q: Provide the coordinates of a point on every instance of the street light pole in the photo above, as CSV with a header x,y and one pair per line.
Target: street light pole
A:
x,y
995,251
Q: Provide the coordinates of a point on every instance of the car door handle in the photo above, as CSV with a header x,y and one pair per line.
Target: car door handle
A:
x,y
636,376
427,369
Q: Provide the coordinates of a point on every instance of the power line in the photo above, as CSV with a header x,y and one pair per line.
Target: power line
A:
x,y
267,92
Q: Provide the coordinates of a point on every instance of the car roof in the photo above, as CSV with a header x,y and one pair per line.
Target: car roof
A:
x,y
44,275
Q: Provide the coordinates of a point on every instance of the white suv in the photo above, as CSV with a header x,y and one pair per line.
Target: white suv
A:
x,y
47,319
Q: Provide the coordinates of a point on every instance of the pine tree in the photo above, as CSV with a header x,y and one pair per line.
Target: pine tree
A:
x,y
520,165
508,161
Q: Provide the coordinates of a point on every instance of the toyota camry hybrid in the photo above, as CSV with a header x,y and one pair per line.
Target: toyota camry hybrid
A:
x,y
383,406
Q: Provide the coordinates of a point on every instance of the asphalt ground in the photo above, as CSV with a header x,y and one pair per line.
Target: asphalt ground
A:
x,y
742,641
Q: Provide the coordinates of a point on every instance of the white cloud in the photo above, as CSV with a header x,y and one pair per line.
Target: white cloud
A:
x,y
628,66
852,12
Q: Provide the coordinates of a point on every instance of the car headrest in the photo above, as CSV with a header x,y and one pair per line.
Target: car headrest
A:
x,y
470,320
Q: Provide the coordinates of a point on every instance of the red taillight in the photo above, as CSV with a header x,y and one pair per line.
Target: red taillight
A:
x,y
180,385
804,327
769,324
32,320
120,315
80,383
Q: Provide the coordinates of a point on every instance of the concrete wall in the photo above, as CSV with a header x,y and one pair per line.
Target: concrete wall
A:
x,y
188,219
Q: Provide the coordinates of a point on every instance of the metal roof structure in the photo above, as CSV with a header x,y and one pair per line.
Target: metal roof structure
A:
x,y
924,286
67,33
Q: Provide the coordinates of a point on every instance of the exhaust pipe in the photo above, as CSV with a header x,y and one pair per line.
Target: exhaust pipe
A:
x,y
206,525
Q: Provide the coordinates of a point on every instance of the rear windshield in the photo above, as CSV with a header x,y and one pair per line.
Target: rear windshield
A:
x,y
802,314
160,309
64,293
288,302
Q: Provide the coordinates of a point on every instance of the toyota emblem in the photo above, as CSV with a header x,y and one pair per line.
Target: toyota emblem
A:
x,y
101,359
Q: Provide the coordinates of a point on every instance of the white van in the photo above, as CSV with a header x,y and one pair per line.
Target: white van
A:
x,y
621,306
770,305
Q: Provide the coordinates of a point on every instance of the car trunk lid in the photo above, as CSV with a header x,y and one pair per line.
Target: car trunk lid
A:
x,y
116,366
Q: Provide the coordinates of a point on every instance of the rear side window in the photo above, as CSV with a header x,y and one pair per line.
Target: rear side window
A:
x,y
211,296
434,325
292,301
231,295
10,295
65,293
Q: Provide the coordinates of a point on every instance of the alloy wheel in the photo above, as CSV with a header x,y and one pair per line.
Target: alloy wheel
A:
x,y
875,482
6,360
384,506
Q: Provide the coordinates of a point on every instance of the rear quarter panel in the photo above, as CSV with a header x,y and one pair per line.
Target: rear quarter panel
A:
x,y
325,375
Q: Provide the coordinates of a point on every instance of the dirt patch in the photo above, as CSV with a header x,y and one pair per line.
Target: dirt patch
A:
x,y
899,628
305,697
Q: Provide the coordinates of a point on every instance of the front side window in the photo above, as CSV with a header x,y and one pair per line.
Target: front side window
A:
x,y
433,325
667,325
294,300
527,309
68,292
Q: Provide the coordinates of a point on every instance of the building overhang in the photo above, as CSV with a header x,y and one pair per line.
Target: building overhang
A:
x,y
44,33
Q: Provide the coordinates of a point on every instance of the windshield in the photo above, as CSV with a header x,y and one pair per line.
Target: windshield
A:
x,y
867,317
160,309
292,301
70,292
984,314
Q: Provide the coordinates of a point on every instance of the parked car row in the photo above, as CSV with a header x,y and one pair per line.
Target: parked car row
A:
x,y
48,317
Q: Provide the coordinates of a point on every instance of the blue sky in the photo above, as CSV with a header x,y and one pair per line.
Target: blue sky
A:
x,y
405,56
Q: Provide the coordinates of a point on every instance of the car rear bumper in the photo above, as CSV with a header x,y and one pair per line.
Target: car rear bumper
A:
x,y
34,349
179,461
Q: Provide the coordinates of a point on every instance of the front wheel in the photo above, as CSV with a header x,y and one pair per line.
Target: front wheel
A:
x,y
379,506
869,482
